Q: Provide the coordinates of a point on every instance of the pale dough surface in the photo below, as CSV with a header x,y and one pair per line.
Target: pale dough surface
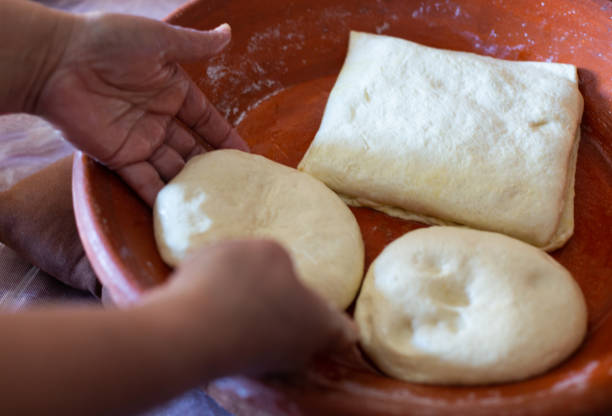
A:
x,y
450,305
450,137
228,194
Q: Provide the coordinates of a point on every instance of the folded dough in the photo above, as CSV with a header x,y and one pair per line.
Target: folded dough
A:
x,y
448,137
228,194
451,305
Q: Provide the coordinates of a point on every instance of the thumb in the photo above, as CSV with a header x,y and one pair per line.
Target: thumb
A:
x,y
183,44
341,332
345,333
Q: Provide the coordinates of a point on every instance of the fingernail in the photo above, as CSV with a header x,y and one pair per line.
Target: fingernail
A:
x,y
347,335
197,150
237,142
244,147
223,28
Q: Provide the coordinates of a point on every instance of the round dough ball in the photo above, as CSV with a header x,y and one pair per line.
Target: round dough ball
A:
x,y
451,305
229,194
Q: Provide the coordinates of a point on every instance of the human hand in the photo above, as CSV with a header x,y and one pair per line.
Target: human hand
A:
x,y
119,94
249,311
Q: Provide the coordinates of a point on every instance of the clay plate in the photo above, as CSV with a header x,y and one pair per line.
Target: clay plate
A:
x,y
273,81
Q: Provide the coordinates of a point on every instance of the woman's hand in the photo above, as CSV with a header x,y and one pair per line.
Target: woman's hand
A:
x,y
119,94
232,308
247,312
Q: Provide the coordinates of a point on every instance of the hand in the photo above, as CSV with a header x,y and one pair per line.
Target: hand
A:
x,y
249,311
119,94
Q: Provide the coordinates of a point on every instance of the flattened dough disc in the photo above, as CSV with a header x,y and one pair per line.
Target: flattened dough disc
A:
x,y
450,305
228,194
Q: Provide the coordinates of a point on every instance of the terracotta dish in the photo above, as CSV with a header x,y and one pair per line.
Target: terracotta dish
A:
x,y
273,81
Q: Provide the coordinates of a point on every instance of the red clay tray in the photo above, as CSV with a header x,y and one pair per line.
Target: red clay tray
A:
x,y
273,81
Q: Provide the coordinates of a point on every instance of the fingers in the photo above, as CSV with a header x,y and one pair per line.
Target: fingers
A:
x,y
179,147
196,151
340,330
345,332
184,44
180,140
197,112
143,178
168,159
203,118
167,162
252,284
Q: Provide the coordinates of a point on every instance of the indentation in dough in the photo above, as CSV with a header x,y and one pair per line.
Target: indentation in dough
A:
x,y
510,193
352,111
401,332
406,325
491,315
533,279
426,263
538,123
436,83
366,95
443,316
448,292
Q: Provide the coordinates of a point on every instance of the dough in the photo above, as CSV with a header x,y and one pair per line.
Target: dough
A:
x,y
451,305
449,137
228,194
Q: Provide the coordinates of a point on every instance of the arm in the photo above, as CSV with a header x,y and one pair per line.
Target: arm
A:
x,y
37,221
112,83
233,308
89,361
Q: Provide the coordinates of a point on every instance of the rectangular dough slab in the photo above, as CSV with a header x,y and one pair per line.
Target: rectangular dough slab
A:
x,y
448,137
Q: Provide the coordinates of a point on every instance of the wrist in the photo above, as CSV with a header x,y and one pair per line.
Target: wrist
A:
x,y
206,336
32,42
181,325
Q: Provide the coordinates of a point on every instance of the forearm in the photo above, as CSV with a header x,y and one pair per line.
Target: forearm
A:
x,y
91,361
31,44
37,221
39,208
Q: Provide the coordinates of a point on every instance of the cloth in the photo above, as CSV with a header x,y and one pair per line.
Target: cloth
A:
x,y
29,144
23,285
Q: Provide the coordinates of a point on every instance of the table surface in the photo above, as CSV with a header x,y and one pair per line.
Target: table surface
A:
x,y
28,144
